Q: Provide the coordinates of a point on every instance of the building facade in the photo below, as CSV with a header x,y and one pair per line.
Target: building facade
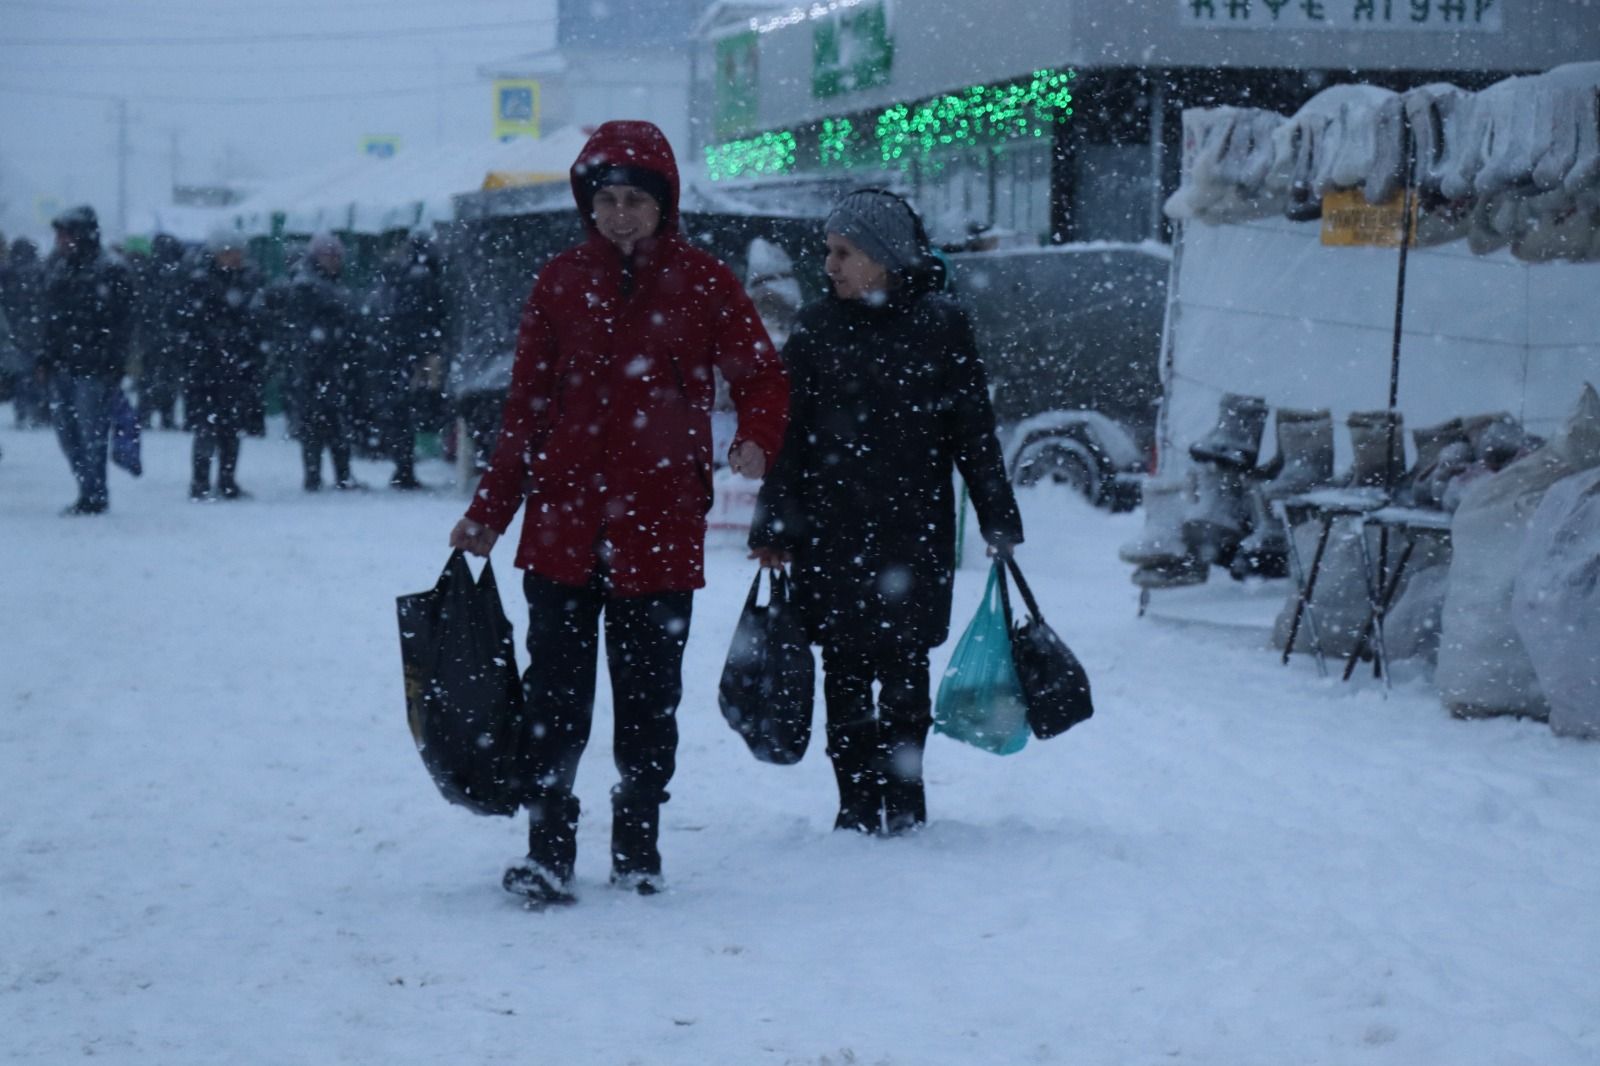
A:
x,y
1061,121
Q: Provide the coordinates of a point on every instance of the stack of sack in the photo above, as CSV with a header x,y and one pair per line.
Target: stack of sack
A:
x,y
1521,612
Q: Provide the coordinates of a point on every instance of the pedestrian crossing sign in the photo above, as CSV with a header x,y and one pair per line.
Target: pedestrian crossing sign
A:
x,y
516,108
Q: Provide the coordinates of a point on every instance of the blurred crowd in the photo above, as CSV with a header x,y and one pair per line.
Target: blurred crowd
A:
x,y
208,345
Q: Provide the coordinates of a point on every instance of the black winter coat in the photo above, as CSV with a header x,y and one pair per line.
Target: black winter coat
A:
x,y
87,312
318,334
167,318
886,402
222,388
21,295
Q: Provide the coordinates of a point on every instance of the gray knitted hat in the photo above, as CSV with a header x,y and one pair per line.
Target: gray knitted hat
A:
x,y
881,224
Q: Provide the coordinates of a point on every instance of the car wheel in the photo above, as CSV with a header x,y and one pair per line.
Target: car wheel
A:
x,y
1058,461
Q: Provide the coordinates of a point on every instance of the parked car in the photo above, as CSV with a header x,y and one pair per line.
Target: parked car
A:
x,y
1071,335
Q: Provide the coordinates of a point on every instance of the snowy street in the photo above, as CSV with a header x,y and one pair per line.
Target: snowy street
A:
x,y
218,843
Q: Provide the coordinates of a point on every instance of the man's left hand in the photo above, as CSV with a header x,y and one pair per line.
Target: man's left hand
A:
x,y
749,460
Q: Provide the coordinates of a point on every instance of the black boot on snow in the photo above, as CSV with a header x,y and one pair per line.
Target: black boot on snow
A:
x,y
853,750
642,884
539,885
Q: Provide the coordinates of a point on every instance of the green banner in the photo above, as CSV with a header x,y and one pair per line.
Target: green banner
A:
x,y
738,83
851,49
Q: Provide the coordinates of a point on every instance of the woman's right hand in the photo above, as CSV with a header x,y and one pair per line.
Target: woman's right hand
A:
x,y
771,558
473,537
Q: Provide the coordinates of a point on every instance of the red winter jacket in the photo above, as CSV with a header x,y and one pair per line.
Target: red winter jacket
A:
x,y
606,433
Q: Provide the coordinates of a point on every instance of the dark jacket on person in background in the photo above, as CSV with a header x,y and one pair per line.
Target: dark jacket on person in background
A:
x,y
607,428
21,296
317,335
166,317
87,306
888,400
222,389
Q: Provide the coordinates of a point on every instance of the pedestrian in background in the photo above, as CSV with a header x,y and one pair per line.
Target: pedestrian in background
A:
x,y
21,290
222,394
87,311
318,340
166,324
413,349
890,399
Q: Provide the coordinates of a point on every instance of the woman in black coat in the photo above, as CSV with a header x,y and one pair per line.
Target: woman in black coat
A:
x,y
889,397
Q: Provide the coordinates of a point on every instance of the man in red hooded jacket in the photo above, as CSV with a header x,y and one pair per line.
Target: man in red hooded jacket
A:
x,y
606,437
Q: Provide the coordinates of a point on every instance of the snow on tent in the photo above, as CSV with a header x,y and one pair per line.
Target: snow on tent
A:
x,y
1292,291
415,188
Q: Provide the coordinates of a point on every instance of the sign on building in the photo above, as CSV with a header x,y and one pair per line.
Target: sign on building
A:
x,y
851,49
1349,221
737,84
1454,16
516,108
381,147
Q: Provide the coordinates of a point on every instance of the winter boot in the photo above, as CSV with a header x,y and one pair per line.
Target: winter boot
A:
x,y
1265,552
227,463
854,750
1165,501
1235,442
635,831
1216,523
200,468
638,883
1305,446
553,834
539,884
1372,435
905,807
1430,442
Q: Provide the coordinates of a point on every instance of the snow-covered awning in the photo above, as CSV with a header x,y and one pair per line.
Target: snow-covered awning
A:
x,y
413,189
1517,164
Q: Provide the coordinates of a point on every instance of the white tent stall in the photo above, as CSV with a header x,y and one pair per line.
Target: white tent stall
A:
x,y
1499,307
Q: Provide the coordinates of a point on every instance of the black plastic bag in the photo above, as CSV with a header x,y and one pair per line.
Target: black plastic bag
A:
x,y
769,679
463,696
1055,687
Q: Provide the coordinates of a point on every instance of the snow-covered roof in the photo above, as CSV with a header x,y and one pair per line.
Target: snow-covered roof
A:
x,y
414,188
1516,164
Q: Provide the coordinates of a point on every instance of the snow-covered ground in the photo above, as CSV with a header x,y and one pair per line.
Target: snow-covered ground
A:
x,y
218,845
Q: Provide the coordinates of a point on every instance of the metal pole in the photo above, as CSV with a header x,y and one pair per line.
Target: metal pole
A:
x,y
1395,445
122,166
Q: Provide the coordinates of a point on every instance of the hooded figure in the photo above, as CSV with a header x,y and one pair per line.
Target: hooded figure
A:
x,y
166,320
890,400
21,284
408,345
87,312
222,398
316,343
606,436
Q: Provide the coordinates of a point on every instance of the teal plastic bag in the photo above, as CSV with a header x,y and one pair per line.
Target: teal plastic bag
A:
x,y
980,699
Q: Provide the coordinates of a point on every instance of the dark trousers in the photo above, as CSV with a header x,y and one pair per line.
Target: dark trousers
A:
x,y
225,446
324,423
644,636
81,410
158,387
876,746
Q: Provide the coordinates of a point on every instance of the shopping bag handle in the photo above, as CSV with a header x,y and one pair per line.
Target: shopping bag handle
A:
x,y
484,581
1007,562
779,583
